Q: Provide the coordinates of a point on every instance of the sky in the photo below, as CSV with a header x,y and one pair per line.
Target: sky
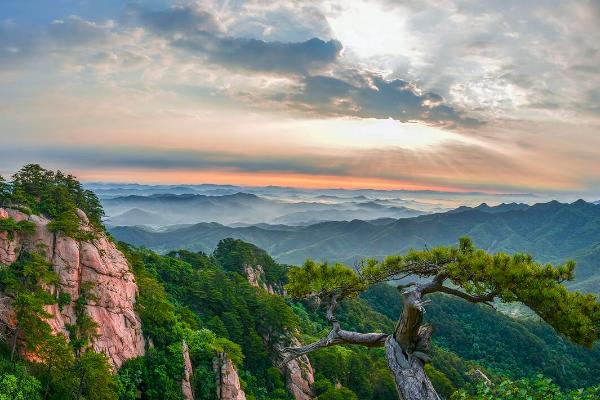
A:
x,y
459,95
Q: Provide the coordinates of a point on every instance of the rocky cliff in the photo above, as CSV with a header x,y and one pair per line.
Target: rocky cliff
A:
x,y
76,262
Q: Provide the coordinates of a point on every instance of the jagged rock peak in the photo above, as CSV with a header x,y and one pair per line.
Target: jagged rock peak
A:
x,y
228,380
299,375
256,278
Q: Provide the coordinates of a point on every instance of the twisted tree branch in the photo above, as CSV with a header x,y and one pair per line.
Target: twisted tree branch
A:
x,y
334,337
485,299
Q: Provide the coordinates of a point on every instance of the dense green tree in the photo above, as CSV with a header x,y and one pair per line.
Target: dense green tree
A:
x,y
325,390
5,191
10,226
83,332
234,254
95,380
526,389
25,283
16,383
56,368
54,195
473,274
13,388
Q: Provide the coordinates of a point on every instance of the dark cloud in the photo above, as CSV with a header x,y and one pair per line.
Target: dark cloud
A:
x,y
357,93
199,33
180,20
368,95
430,166
152,159
258,55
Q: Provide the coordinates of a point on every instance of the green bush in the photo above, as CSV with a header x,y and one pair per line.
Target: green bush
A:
x,y
10,226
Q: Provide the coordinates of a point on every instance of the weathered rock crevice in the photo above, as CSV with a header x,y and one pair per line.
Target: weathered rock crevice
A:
x,y
186,382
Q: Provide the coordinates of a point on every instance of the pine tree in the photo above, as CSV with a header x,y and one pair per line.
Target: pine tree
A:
x,y
463,271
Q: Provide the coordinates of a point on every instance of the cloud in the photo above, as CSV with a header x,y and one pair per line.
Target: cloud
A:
x,y
21,43
368,95
316,77
451,164
83,157
345,92
200,34
76,31
505,58
258,55
180,20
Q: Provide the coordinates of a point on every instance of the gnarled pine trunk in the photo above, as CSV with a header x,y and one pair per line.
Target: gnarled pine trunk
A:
x,y
406,351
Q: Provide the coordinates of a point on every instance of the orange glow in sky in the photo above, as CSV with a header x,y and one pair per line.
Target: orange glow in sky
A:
x,y
253,179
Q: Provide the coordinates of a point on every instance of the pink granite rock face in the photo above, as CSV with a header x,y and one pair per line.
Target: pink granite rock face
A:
x,y
299,375
228,379
76,262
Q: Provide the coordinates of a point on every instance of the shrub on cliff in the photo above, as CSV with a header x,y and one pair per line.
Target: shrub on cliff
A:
x,y
53,194
10,226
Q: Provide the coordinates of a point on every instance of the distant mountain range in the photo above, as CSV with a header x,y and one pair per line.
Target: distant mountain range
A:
x,y
160,205
553,232
242,208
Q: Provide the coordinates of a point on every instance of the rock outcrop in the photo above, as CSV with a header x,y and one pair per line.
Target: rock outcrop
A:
x,y
256,278
299,376
228,381
186,382
76,262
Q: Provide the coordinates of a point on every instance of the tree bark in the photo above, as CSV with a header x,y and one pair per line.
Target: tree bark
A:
x,y
411,381
14,344
406,351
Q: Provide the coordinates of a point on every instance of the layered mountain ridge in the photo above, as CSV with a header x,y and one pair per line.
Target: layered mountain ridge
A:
x,y
553,232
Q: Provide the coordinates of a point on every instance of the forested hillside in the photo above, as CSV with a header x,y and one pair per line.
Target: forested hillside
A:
x,y
211,292
553,232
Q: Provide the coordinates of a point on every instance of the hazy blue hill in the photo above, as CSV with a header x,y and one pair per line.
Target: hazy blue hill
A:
x,y
241,208
135,216
503,207
552,231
